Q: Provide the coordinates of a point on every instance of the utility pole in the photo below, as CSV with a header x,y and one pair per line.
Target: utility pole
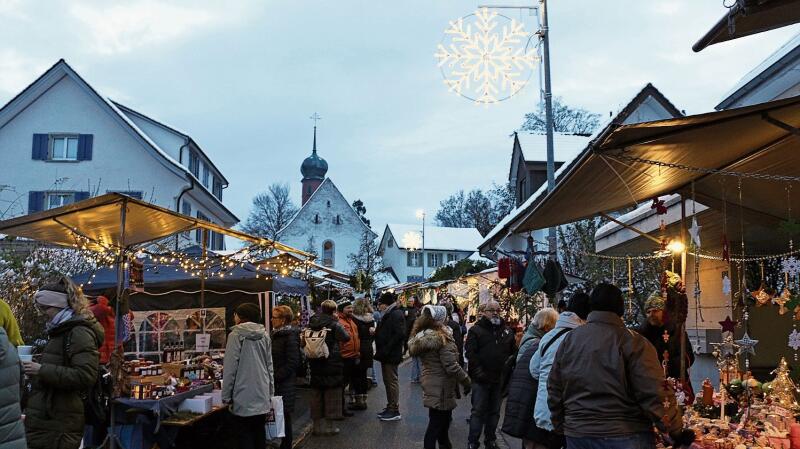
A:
x,y
548,108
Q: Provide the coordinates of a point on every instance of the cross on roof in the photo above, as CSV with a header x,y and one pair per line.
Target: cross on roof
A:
x,y
316,118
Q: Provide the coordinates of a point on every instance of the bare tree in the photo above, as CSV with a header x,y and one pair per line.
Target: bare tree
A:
x,y
477,209
272,210
367,264
566,119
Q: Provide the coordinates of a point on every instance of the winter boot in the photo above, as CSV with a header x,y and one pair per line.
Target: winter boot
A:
x,y
360,403
319,427
330,428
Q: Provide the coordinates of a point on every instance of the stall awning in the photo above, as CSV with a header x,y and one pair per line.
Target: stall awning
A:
x,y
99,220
635,163
757,16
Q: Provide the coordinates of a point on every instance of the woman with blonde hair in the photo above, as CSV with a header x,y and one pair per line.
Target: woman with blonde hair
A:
x,y
69,363
285,361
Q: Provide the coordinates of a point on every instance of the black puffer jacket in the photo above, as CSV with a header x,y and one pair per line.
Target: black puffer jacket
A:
x,y
391,336
522,388
286,361
365,323
328,373
487,349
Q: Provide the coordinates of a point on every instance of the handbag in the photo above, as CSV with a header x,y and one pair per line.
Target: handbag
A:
x,y
276,421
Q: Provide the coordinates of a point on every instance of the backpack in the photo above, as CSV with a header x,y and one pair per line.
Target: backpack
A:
x,y
314,344
97,398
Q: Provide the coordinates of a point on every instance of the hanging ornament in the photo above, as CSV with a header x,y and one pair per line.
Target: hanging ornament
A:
x,y
728,325
747,344
658,205
727,348
694,231
726,249
791,266
761,296
726,285
794,340
781,300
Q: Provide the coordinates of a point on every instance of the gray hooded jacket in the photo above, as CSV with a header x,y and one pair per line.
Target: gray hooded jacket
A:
x,y
12,432
248,382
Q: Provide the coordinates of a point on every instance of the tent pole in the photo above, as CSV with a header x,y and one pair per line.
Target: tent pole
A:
x,y
682,326
203,281
120,281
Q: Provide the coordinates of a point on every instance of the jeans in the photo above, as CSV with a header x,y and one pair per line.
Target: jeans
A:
x,y
486,399
358,381
415,369
438,429
389,374
250,431
634,441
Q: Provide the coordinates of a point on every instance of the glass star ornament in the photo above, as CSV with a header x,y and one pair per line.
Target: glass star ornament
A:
x,y
791,266
747,345
794,340
727,348
694,231
782,299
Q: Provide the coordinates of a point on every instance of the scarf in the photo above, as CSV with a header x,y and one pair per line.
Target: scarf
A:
x,y
61,317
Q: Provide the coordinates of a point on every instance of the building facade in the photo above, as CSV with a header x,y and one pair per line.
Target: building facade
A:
x,y
63,142
403,251
326,223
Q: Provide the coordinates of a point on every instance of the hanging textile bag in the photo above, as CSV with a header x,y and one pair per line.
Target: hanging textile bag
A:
x,y
314,345
276,421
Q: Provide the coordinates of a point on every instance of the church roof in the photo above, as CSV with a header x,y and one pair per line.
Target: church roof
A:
x,y
438,237
314,167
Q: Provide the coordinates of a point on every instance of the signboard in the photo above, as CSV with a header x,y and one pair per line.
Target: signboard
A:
x,y
202,342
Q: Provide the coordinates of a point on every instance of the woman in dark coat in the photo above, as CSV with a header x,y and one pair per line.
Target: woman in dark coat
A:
x,y
441,373
285,362
327,374
54,416
362,315
518,421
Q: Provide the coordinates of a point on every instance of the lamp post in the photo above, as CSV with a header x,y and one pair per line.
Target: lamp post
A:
x,y
421,216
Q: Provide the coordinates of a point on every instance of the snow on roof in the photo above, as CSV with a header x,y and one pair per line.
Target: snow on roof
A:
x,y
772,59
634,215
565,146
439,238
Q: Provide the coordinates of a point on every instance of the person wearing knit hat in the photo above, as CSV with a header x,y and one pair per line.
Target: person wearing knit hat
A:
x,y
438,313
389,339
662,334
248,376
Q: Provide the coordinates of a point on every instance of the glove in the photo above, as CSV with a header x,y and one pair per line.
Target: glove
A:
x,y
467,388
682,438
467,382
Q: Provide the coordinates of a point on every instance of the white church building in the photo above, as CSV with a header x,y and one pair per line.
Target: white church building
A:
x,y
326,223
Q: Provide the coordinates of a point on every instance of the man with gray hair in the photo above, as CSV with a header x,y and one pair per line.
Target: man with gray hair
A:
x,y
489,344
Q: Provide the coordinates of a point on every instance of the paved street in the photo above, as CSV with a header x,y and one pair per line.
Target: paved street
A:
x,y
365,431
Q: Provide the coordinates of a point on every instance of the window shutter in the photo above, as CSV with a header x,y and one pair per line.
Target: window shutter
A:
x,y
80,196
35,202
39,150
85,142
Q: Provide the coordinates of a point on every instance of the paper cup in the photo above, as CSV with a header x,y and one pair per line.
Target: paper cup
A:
x,y
25,358
25,350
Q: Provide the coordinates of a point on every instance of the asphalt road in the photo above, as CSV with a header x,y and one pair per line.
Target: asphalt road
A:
x,y
366,431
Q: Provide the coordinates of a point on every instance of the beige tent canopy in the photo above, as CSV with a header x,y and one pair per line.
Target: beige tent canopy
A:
x,y
100,220
748,17
635,163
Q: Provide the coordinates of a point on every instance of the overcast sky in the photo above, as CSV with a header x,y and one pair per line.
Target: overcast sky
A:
x,y
243,77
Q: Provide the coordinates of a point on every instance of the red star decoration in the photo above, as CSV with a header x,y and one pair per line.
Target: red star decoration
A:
x,y
728,325
659,206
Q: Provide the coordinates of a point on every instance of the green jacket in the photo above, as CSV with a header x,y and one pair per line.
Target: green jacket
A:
x,y
9,323
12,433
54,415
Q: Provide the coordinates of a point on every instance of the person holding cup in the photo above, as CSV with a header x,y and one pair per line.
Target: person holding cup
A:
x,y
69,365
12,431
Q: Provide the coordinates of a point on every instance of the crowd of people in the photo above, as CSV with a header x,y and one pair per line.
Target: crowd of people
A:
x,y
575,378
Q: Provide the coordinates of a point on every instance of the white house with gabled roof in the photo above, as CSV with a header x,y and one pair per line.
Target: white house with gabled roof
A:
x,y
61,141
402,249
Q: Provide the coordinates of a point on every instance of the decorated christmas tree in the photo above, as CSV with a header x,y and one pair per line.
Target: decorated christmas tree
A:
x,y
783,388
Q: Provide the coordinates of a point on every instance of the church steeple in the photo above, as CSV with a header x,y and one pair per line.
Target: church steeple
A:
x,y
313,167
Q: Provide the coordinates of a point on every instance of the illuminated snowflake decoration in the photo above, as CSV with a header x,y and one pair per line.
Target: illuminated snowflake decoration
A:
x,y
794,340
483,64
791,266
412,240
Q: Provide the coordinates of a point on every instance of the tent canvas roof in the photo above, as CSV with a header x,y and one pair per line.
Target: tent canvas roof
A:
x,y
749,140
100,220
756,17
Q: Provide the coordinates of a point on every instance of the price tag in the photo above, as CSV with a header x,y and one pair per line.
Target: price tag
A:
x,y
202,342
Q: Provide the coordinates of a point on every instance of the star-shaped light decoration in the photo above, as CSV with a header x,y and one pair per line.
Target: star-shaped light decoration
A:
x,y
794,340
782,299
694,231
728,325
747,344
761,295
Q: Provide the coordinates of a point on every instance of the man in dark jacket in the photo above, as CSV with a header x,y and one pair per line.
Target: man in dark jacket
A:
x,y
389,340
614,397
489,344
664,337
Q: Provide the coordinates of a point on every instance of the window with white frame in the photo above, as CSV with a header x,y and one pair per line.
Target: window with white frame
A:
x,y
451,257
414,259
434,259
58,199
64,148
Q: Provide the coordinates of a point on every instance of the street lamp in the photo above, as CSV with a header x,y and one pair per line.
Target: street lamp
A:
x,y
421,216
